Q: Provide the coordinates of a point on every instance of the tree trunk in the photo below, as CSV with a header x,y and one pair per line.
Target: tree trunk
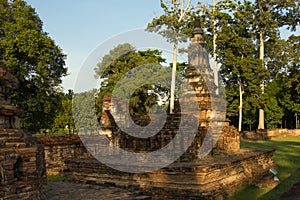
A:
x,y
216,68
182,13
296,120
175,50
261,124
285,122
241,106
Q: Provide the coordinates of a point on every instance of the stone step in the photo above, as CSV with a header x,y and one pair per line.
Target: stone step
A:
x,y
14,140
10,133
15,144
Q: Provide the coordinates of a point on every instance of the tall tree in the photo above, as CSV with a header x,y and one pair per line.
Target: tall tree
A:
x,y
216,67
173,26
266,24
84,112
293,82
235,50
64,115
116,64
271,16
238,50
32,57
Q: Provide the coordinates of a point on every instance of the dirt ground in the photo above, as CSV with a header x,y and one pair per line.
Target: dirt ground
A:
x,y
59,190
292,194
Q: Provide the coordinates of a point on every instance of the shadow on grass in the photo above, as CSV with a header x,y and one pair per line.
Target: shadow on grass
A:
x,y
287,157
284,186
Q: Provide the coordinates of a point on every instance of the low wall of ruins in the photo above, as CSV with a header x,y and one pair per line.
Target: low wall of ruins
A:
x,y
60,148
269,134
22,166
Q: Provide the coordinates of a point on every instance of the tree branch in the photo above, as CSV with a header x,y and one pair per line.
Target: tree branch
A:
x,y
182,7
185,10
174,2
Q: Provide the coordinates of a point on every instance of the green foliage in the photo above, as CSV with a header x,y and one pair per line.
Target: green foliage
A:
x,y
238,55
34,58
176,26
274,113
118,63
84,111
284,85
278,13
250,114
109,62
170,25
64,121
293,71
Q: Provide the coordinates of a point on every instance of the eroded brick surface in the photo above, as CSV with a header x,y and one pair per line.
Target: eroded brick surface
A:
x,y
22,163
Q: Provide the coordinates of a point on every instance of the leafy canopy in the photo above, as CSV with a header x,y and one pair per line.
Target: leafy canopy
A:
x,y
121,60
32,57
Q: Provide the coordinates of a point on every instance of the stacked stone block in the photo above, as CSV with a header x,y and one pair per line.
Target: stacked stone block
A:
x,y
212,111
22,163
58,149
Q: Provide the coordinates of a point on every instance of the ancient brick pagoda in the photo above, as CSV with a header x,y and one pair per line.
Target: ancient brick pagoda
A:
x,y
213,129
225,170
22,163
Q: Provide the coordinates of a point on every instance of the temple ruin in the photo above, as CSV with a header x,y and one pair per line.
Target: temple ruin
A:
x,y
22,163
224,170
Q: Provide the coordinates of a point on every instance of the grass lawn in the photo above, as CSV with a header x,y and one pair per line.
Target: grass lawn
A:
x,y
55,178
287,157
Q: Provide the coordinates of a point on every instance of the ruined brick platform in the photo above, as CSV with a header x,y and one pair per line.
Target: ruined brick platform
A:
x,y
210,178
269,134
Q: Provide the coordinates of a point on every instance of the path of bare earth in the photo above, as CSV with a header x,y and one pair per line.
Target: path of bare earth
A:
x,y
59,190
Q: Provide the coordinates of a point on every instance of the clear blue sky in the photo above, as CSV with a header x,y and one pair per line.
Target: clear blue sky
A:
x,y
78,27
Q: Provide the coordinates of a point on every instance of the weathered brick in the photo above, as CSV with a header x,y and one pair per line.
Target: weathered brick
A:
x,y
20,177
